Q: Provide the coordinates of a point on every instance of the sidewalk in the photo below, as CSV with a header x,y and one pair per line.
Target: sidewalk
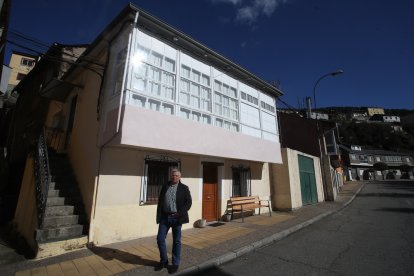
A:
x,y
203,248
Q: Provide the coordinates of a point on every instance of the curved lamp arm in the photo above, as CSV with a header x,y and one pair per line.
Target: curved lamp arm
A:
x,y
337,72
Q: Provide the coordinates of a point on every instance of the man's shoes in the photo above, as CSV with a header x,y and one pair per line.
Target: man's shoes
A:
x,y
173,269
160,266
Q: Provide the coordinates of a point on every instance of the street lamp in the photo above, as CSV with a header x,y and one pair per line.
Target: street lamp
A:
x,y
324,163
333,74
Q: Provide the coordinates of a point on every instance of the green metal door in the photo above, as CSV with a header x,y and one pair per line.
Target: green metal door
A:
x,y
307,180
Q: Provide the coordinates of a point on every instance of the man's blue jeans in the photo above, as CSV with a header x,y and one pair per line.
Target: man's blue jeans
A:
x,y
164,226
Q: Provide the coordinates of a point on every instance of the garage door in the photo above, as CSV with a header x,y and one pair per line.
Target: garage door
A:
x,y
307,180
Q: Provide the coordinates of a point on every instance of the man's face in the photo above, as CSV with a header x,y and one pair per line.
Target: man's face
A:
x,y
175,177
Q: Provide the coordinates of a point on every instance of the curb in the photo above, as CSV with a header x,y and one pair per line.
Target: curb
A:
x,y
193,270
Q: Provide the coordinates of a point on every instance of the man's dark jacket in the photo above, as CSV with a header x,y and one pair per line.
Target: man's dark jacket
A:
x,y
183,201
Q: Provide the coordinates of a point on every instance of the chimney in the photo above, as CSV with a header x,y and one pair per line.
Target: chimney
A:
x,y
308,107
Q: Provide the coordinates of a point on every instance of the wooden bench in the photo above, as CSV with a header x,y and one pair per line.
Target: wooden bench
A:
x,y
248,203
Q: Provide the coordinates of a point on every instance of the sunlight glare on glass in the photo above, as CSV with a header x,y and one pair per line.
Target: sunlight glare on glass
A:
x,y
138,58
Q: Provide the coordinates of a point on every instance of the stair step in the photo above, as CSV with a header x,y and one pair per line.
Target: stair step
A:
x,y
59,201
69,191
59,210
54,248
53,193
59,221
60,233
62,185
55,201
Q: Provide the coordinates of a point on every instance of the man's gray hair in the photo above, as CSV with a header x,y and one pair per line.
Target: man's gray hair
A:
x,y
176,170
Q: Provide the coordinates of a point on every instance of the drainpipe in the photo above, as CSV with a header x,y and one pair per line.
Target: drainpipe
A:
x,y
96,188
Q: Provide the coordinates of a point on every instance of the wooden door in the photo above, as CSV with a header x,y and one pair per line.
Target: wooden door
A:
x,y
210,192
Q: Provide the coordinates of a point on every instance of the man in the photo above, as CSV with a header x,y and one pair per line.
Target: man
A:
x,y
172,211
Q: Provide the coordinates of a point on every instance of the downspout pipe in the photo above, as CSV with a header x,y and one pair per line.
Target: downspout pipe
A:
x,y
98,110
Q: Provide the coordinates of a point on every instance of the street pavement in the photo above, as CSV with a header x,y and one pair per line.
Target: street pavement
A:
x,y
203,248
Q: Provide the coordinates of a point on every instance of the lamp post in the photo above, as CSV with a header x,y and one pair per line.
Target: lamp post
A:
x,y
333,74
325,164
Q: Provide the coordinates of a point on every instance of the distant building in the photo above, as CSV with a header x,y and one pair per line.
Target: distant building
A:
x,y
319,116
375,110
358,116
359,163
20,65
385,118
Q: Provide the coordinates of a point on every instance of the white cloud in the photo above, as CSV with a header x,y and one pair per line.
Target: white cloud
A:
x,y
248,11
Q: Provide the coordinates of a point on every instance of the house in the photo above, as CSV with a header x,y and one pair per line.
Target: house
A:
x,y
393,121
319,116
20,64
385,118
358,116
23,121
375,110
359,163
145,98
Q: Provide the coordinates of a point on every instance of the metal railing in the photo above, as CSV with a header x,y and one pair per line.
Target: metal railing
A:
x,y
42,177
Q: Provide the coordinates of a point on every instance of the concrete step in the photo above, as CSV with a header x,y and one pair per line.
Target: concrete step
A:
x,y
59,221
60,233
64,192
59,201
55,201
64,210
49,249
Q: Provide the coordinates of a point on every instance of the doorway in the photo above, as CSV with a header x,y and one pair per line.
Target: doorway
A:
x,y
307,180
210,210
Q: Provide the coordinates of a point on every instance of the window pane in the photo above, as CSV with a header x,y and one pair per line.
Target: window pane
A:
x,y
185,85
206,119
217,86
206,80
169,93
169,65
184,98
185,113
138,101
217,109
156,59
195,102
196,76
167,108
185,71
195,89
196,116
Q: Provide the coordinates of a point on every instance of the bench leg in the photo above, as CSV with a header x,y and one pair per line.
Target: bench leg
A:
x,y
270,211
242,213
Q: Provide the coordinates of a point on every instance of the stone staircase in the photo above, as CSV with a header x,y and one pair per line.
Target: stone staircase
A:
x,y
65,217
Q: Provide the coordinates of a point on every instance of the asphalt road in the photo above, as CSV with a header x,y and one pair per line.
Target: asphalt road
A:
x,y
374,235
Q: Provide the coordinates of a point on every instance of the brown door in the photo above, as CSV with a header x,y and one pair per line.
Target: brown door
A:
x,y
210,191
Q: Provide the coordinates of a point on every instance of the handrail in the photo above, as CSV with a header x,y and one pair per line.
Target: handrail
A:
x,y
42,177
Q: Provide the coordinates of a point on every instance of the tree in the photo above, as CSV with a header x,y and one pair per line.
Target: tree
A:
x,y
405,169
381,166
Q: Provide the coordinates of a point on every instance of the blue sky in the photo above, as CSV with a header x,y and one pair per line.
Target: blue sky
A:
x,y
292,42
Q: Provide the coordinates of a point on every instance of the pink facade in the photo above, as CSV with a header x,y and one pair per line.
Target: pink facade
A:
x,y
154,130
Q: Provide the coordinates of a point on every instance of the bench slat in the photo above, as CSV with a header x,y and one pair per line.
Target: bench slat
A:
x,y
246,203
